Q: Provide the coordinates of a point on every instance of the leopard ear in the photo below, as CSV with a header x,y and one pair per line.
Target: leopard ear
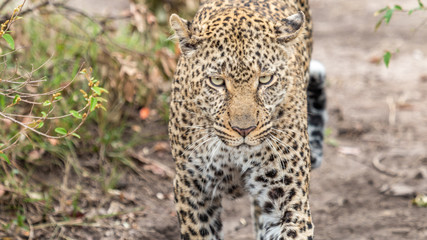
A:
x,y
183,33
289,28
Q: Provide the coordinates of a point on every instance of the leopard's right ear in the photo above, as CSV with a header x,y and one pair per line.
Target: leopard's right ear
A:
x,y
182,31
289,28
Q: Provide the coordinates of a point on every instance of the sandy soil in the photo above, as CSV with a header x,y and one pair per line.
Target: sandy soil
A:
x,y
376,115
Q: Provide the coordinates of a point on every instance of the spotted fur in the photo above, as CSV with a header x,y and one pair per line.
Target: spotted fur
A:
x,y
238,116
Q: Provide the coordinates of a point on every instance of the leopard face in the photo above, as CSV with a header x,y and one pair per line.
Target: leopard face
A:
x,y
238,78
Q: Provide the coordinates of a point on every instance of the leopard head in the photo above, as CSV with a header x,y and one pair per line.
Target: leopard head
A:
x,y
238,67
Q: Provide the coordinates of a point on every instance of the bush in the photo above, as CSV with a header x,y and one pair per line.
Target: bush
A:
x,y
49,103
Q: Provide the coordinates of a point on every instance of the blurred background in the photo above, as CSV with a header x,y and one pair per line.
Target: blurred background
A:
x,y
84,91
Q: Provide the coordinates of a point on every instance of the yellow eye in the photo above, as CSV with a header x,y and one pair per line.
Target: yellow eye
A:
x,y
265,79
218,82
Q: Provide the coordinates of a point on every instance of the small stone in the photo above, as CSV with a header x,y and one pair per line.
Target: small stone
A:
x,y
343,201
145,151
421,174
400,190
109,233
160,196
114,208
126,225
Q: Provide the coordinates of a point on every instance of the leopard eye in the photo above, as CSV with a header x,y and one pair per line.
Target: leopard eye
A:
x,y
218,82
265,80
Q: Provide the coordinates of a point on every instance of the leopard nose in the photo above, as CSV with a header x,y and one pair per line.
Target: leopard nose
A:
x,y
244,131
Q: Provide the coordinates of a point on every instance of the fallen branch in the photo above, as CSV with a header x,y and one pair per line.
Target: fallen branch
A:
x,y
166,170
376,163
81,223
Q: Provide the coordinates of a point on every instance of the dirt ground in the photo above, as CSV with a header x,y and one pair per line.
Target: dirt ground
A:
x,y
375,154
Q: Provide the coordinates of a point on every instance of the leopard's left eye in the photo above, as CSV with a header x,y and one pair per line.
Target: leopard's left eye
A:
x,y
217,82
265,79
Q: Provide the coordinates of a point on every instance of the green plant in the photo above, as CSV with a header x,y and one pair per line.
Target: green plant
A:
x,y
134,62
18,221
4,27
44,103
15,92
38,106
387,13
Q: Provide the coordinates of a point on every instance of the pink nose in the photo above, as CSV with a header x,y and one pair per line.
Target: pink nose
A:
x,y
244,132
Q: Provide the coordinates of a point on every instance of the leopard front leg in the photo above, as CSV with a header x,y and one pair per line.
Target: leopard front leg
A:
x,y
256,213
280,203
199,214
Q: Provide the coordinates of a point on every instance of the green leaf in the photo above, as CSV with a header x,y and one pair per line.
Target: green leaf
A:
x,y
104,90
99,90
41,124
2,155
379,24
420,4
387,57
398,7
15,100
47,103
21,220
93,103
62,131
76,135
58,98
9,40
100,99
388,15
411,11
44,114
76,114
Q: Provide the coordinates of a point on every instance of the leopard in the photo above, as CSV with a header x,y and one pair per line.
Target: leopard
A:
x,y
245,98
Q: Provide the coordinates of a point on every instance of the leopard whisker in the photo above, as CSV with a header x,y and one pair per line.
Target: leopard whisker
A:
x,y
209,139
213,154
281,143
197,127
195,142
285,131
290,137
196,145
274,148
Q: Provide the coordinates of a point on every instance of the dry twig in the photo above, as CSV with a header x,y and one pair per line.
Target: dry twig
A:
x,y
392,110
376,163
167,170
